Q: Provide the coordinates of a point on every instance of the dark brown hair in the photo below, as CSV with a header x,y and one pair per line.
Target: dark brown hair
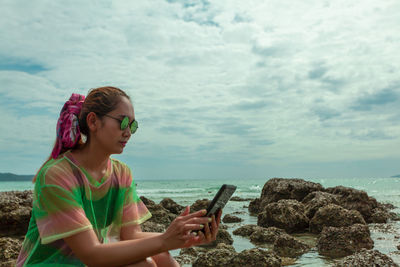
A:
x,y
101,101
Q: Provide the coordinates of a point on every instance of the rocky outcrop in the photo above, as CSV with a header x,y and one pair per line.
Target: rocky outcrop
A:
x,y
228,218
15,212
334,215
353,199
172,206
215,257
255,206
286,214
268,235
246,230
343,241
150,226
289,246
316,200
278,188
199,205
236,198
255,257
367,258
9,248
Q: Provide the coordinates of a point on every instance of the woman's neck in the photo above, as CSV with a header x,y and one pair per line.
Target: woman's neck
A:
x,y
91,158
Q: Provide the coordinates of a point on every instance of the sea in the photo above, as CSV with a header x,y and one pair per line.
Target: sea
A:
x,y
185,192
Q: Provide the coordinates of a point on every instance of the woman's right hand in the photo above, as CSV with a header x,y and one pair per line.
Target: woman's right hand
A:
x,y
179,234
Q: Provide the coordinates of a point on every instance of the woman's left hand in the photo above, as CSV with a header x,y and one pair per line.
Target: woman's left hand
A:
x,y
210,231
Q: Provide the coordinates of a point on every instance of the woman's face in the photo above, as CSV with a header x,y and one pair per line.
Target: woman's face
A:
x,y
110,136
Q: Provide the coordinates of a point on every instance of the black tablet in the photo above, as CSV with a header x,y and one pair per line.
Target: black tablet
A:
x,y
220,199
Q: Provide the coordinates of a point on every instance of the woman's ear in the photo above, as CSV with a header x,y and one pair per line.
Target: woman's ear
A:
x,y
92,121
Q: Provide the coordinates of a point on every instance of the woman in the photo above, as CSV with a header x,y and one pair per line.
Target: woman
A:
x,y
85,207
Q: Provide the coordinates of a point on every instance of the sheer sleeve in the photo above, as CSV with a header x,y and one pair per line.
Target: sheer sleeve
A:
x,y
58,209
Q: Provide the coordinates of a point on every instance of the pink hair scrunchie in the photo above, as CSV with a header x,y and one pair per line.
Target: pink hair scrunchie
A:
x,y
68,132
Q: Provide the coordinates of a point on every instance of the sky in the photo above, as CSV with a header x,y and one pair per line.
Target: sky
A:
x,y
221,89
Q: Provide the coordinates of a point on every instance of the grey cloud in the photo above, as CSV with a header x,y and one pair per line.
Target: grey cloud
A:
x,y
18,64
325,113
270,51
240,19
179,130
367,102
371,135
251,105
232,126
261,142
317,72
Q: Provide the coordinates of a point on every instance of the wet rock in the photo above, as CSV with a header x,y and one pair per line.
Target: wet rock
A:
x,y
268,235
255,257
9,250
289,246
367,258
236,198
379,216
15,212
246,230
161,215
398,247
228,218
279,188
316,200
172,206
254,206
353,199
286,214
334,215
394,216
343,241
150,226
187,256
215,257
199,205
147,202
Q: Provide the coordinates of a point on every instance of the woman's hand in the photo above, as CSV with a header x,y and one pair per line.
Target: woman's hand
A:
x,y
210,233
179,234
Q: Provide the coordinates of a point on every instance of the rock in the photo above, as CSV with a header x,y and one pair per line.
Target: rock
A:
x,y
199,205
172,206
236,198
9,250
268,235
147,202
367,258
316,200
398,247
254,206
15,212
184,259
187,256
394,216
255,257
343,241
246,230
215,257
223,236
279,188
334,215
228,218
286,214
289,246
379,215
150,226
225,246
161,215
353,199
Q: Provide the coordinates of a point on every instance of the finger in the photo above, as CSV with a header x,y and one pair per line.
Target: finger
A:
x,y
186,211
198,220
191,227
199,213
214,227
207,232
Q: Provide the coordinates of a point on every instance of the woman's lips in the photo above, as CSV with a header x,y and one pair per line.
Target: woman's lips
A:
x,y
123,143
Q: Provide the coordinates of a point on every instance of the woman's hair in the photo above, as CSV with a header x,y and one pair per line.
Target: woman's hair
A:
x,y
73,117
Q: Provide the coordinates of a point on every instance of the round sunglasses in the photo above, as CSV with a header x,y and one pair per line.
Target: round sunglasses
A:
x,y
133,126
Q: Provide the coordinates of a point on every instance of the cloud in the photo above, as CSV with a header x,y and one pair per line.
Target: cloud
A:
x,y
369,101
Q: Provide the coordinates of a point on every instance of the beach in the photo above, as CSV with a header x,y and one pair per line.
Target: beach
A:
x,y
186,192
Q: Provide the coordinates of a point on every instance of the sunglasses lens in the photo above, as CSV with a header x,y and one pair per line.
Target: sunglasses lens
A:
x,y
124,123
134,127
